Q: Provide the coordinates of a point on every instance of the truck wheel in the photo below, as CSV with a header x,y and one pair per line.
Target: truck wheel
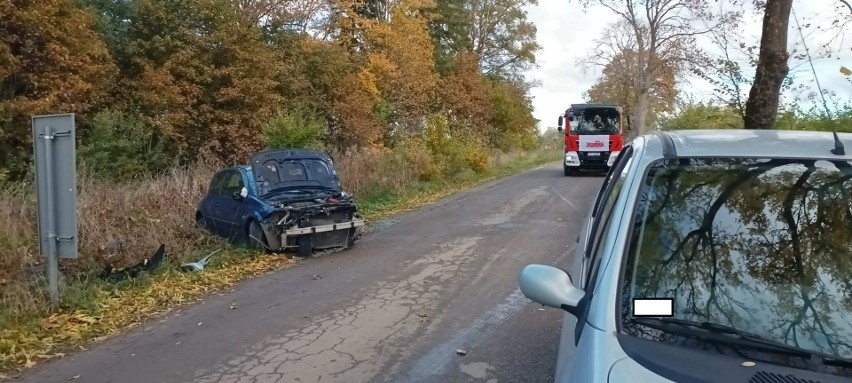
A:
x,y
306,246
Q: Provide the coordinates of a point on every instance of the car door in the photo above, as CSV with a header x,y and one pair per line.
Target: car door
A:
x,y
596,229
230,207
206,207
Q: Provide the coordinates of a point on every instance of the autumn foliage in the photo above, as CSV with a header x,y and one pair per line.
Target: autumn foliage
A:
x,y
206,79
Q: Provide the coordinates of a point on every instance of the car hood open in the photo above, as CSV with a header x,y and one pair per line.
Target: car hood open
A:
x,y
293,169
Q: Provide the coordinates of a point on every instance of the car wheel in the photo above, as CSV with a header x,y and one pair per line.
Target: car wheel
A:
x,y
200,221
570,171
255,232
353,235
306,246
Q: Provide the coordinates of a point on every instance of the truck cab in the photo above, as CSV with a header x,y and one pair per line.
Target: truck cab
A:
x,y
594,135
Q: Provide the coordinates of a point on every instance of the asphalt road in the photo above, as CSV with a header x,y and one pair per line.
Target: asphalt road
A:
x,y
395,308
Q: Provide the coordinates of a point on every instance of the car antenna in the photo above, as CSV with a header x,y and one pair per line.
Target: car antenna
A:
x,y
838,150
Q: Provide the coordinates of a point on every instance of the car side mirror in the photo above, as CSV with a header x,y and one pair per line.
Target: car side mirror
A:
x,y
551,287
559,124
242,194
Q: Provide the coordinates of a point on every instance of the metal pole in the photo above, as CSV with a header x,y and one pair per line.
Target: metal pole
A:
x,y
52,261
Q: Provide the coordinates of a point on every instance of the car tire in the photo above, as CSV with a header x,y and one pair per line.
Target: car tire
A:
x,y
200,221
306,245
256,231
570,171
353,235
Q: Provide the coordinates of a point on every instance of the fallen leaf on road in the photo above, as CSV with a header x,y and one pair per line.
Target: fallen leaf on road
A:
x,y
233,306
199,323
74,377
461,352
422,315
316,277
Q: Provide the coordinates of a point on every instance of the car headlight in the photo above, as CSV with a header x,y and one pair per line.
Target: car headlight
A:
x,y
572,159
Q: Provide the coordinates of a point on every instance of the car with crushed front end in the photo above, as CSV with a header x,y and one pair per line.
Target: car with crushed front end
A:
x,y
711,256
284,199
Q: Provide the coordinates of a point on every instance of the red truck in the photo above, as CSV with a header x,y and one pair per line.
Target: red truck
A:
x,y
594,135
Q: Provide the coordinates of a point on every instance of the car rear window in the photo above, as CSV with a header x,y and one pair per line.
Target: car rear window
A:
x,y
762,245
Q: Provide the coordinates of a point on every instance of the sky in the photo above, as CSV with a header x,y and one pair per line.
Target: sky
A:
x,y
567,31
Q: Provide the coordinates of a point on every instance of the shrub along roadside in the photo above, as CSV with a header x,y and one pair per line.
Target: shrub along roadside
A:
x,y
121,223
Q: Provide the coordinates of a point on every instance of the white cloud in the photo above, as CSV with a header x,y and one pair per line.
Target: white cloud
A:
x,y
567,32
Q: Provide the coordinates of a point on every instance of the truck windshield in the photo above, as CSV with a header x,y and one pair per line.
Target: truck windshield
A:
x,y
594,121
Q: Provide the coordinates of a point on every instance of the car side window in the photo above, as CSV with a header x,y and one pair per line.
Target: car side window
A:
x,y
216,183
626,151
233,182
608,197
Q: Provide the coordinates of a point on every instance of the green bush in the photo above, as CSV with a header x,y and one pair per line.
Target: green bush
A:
x,y
702,116
298,128
455,150
118,145
815,119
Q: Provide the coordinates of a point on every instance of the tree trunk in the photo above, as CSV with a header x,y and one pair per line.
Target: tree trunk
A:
x,y
643,93
762,106
640,114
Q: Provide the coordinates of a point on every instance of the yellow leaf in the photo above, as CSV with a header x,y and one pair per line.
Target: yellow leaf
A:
x,y
845,71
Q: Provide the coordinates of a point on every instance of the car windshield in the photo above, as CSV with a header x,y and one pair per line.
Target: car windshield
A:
x,y
585,121
763,246
275,174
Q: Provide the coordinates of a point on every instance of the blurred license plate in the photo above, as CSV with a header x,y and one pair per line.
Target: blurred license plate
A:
x,y
594,154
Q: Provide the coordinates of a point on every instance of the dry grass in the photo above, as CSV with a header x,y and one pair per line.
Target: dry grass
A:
x,y
144,213
138,215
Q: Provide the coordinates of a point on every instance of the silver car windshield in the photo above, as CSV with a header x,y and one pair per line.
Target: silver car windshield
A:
x,y
764,246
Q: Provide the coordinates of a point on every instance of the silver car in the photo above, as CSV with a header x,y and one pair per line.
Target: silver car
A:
x,y
711,256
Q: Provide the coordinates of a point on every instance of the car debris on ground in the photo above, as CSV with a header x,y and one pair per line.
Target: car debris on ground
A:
x,y
112,273
199,265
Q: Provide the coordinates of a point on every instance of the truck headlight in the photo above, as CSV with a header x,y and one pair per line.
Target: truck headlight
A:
x,y
612,157
572,159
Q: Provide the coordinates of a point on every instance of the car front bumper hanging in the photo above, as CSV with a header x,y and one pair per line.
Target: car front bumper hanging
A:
x,y
324,228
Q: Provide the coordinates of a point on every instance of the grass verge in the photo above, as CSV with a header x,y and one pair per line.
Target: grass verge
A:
x,y
93,310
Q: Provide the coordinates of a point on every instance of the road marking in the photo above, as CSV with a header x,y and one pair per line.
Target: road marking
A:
x,y
561,196
436,362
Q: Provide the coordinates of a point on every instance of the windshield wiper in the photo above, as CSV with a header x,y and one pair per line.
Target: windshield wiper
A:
x,y
719,333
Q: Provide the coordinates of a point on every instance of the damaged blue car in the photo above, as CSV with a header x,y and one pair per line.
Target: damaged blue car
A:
x,y
284,199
